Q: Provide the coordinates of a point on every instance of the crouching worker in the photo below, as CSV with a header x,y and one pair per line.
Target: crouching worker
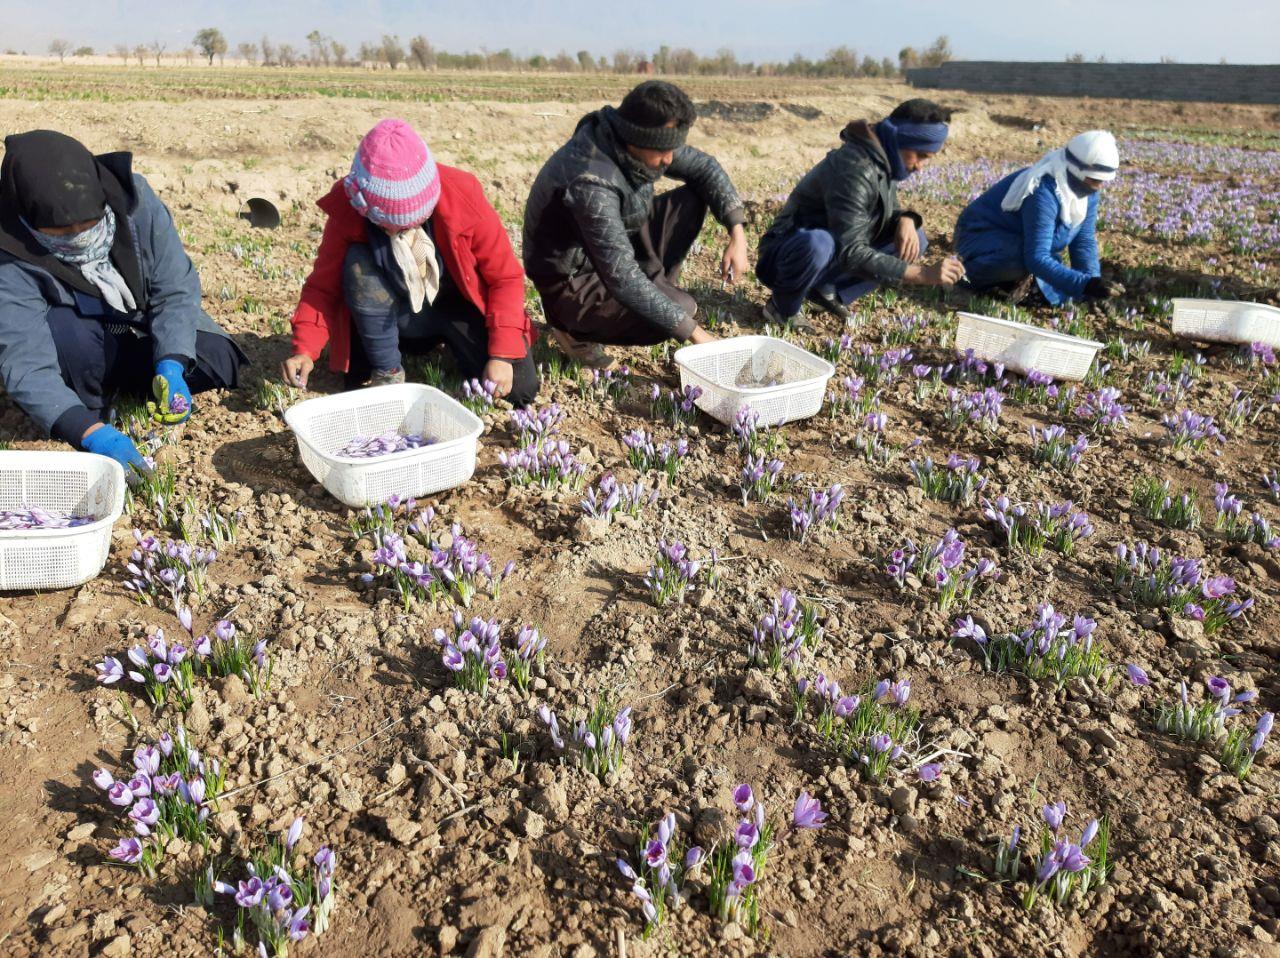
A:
x,y
842,233
606,255
97,296
412,254
1018,229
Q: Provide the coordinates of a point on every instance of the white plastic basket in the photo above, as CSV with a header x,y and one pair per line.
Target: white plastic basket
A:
x,y
1023,348
72,483
1225,321
323,426
780,381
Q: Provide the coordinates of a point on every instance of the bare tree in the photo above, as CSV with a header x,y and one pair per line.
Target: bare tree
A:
x,y
248,52
60,48
422,53
563,63
189,54
682,61
392,51
586,62
339,53
624,61
371,53
157,50
123,52
320,54
287,55
268,51
140,51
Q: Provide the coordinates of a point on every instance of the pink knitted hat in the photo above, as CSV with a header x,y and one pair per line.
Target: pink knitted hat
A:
x,y
393,179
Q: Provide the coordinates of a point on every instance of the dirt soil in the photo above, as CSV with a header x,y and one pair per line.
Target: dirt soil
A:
x,y
444,847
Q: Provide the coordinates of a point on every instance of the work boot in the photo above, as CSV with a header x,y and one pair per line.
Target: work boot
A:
x,y
386,377
829,302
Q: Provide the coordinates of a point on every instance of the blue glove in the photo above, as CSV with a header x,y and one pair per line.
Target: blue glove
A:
x,y
173,395
111,442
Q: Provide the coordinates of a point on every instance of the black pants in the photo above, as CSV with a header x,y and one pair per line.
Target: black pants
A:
x,y
452,319
583,306
100,364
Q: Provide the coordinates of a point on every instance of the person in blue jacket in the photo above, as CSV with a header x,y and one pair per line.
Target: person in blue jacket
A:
x,y
97,296
1019,228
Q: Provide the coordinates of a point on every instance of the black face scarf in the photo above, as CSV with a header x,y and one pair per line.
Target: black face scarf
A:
x,y
55,179
50,180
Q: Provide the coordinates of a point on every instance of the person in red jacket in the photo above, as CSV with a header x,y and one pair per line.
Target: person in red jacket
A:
x,y
412,254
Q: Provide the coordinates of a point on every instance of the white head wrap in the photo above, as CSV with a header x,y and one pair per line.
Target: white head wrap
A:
x,y
1092,155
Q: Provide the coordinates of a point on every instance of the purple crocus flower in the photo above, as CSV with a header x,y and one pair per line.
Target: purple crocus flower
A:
x,y
622,725
103,779
1137,675
128,851
119,794
147,759
1090,833
280,897
1053,814
250,893
655,853
743,797
325,860
295,832
744,872
298,925
1072,857
808,812
693,857
627,871
1218,687
746,835
930,772
110,670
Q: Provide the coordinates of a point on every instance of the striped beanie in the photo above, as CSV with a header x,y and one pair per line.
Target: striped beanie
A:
x,y
393,180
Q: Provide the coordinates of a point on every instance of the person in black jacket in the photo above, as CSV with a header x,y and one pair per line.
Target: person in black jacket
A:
x,y
842,233
604,254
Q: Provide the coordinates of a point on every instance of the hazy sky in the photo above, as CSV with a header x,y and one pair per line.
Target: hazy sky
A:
x,y
1242,31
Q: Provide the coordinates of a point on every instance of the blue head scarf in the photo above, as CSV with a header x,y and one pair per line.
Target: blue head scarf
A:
x,y
895,135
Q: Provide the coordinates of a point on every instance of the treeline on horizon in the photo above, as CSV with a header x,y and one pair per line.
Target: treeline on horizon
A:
x,y
418,53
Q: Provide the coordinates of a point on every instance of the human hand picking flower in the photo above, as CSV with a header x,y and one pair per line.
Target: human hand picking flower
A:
x,y
296,369
172,394
733,264
501,373
906,242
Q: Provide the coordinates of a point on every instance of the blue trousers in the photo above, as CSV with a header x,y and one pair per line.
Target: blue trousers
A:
x,y
806,260
385,323
98,363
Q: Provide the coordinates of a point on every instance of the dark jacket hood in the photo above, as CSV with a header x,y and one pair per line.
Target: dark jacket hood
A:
x,y
862,134
115,170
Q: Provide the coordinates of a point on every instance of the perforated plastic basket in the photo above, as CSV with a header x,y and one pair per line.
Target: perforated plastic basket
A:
x,y
323,426
780,381
1225,321
1023,348
72,483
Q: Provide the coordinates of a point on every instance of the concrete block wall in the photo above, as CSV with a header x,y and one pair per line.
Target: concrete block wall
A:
x,y
1205,82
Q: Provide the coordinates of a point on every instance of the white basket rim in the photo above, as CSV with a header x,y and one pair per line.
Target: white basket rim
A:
x,y
343,400
1186,302
1026,328
107,521
822,370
